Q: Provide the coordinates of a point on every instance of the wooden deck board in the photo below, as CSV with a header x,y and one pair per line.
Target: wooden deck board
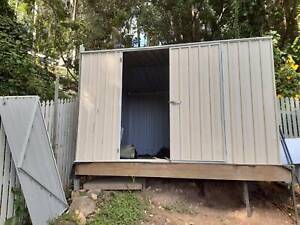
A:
x,y
186,170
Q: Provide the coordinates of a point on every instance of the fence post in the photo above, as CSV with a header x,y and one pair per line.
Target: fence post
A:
x,y
55,117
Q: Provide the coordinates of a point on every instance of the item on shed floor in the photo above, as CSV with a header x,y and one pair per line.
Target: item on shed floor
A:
x,y
128,152
145,156
163,153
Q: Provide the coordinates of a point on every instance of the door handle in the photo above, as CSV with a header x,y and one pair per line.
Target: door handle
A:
x,y
175,102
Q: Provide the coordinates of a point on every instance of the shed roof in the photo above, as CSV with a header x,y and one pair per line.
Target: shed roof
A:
x,y
174,45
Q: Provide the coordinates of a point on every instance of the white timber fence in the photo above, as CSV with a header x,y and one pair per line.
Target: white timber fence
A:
x,y
289,116
66,133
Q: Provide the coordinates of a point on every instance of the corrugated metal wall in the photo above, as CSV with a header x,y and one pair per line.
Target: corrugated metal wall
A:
x,y
249,102
100,107
227,109
196,124
222,107
145,120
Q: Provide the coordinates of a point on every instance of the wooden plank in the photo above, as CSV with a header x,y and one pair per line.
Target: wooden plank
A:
x,y
5,187
51,115
246,198
284,117
67,145
186,170
293,117
297,105
2,154
279,114
11,196
48,118
113,183
289,118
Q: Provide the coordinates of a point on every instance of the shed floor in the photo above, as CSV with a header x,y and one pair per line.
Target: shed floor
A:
x,y
165,169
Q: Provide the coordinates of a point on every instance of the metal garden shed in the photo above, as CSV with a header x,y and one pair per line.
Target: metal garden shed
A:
x,y
210,104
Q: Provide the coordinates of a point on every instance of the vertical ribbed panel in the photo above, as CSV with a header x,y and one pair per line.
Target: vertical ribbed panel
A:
x,y
227,107
99,107
145,123
197,128
249,102
222,107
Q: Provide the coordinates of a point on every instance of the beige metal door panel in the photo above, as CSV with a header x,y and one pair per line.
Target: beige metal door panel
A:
x,y
196,110
99,107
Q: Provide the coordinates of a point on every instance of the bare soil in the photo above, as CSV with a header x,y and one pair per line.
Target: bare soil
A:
x,y
184,202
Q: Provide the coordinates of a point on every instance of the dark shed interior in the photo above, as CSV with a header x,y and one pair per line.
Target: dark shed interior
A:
x,y
145,104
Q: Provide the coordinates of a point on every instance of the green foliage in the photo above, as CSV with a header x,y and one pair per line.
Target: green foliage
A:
x,y
122,208
55,29
65,219
108,22
180,207
287,69
18,72
21,212
288,82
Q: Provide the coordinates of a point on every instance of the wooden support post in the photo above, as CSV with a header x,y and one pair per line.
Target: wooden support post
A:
x,y
55,118
294,181
246,198
76,183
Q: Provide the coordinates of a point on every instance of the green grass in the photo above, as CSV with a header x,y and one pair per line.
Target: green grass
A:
x,y
179,207
120,208
64,219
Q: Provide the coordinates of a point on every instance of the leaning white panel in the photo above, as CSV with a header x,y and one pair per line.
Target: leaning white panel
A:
x,y
32,154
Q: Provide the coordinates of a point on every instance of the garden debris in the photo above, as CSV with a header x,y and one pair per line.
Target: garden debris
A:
x,y
83,204
80,217
93,196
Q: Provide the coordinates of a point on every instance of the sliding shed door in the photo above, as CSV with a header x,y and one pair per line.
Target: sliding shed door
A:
x,y
196,110
100,107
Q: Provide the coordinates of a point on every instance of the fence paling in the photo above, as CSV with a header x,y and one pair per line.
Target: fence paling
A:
x,y
289,116
8,179
66,135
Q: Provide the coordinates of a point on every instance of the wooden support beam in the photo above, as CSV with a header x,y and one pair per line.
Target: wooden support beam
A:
x,y
294,183
186,170
76,181
246,198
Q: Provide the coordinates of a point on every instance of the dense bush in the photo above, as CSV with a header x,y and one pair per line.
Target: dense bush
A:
x,y
19,74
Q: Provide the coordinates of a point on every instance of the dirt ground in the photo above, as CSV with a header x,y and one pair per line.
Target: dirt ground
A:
x,y
216,203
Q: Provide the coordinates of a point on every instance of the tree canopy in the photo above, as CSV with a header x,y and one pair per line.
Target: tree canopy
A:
x,y
52,30
19,73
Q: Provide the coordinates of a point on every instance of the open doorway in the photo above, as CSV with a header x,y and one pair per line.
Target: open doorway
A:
x,y
145,105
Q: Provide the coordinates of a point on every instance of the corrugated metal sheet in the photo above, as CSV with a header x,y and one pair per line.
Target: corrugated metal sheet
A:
x,y
100,107
249,102
32,154
223,102
224,86
145,120
197,128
